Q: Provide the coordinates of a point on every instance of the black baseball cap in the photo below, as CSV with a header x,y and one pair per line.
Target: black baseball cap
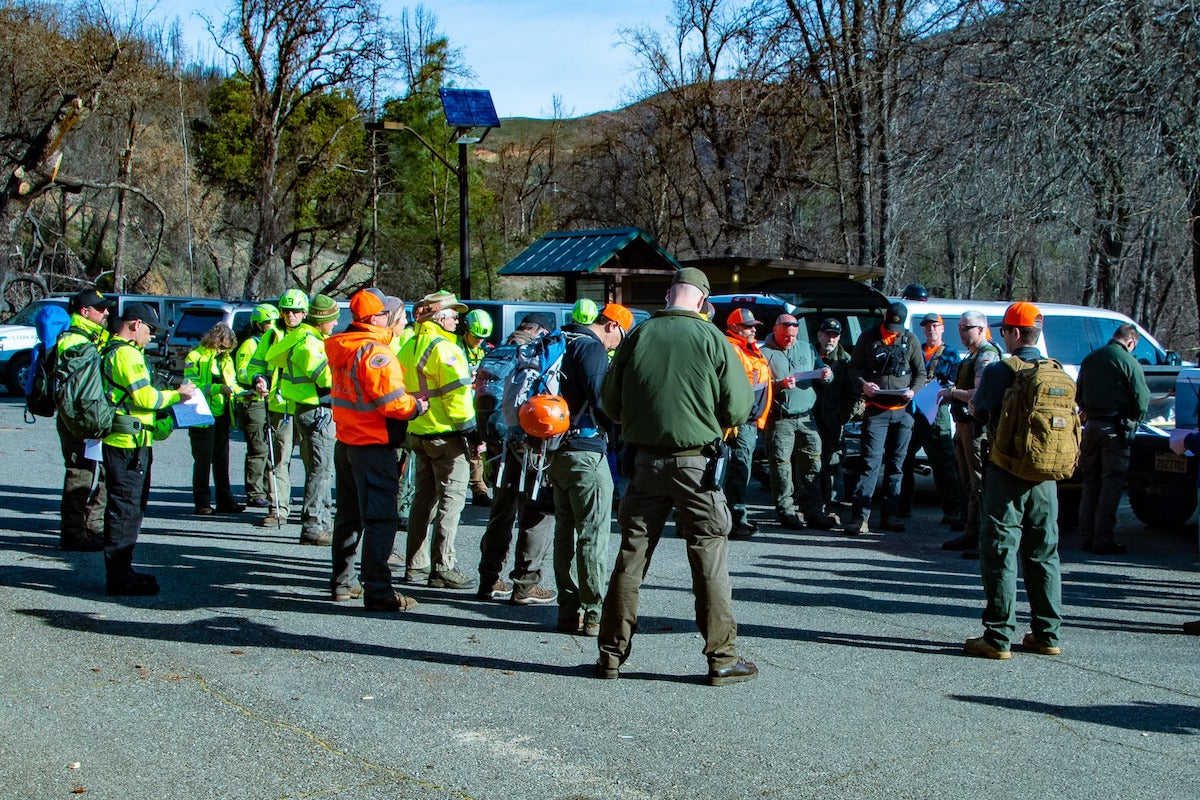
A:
x,y
543,319
143,312
89,298
895,316
830,325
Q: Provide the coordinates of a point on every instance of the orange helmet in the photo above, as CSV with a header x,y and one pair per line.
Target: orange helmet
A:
x,y
544,416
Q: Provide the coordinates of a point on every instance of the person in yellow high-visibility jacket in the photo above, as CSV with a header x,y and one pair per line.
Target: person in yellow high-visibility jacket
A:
x,y
128,449
435,368
304,383
251,409
210,367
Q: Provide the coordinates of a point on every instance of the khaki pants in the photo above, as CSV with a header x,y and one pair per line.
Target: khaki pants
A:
x,y
441,493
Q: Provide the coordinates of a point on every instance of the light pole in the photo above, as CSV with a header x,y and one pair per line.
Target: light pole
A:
x,y
466,110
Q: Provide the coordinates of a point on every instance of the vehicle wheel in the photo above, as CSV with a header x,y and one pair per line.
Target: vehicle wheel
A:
x,y
1163,509
18,369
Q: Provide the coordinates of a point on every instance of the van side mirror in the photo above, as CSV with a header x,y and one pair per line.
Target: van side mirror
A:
x,y
1173,359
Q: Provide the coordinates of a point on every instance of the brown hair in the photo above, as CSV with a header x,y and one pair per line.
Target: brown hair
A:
x,y
219,337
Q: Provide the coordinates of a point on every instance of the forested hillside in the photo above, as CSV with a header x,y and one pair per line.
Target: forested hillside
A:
x,y
1043,150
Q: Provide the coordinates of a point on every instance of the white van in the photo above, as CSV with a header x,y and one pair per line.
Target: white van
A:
x,y
1070,332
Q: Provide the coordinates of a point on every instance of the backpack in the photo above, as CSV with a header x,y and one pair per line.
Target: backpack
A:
x,y
83,404
537,370
1037,436
490,378
50,323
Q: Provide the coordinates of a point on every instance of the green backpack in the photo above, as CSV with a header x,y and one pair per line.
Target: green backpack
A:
x,y
1037,437
83,405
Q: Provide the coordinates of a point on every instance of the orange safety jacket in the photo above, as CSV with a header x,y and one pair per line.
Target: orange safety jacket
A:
x,y
368,384
758,372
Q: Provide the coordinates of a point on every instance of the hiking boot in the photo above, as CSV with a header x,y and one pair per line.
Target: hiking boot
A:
x,y
343,593
318,539
271,520
396,559
591,628
738,671
606,673
259,502
857,525
499,590
397,602
203,511
893,524
533,596
822,521
136,584
1031,644
740,534
416,578
958,543
81,544
791,522
450,579
982,648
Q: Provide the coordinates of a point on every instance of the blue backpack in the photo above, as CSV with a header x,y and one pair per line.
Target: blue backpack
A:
x,y
537,370
40,383
490,378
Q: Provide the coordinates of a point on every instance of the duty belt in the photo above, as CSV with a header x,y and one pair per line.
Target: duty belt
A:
x,y
125,424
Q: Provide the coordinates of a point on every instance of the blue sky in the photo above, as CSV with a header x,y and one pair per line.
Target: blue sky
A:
x,y
524,51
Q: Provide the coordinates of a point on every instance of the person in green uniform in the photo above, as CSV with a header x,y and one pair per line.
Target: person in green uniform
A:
x,y
251,409
128,450
1018,518
210,367
674,386
1113,396
84,496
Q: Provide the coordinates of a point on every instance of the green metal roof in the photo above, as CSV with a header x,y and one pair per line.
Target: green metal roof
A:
x,y
574,252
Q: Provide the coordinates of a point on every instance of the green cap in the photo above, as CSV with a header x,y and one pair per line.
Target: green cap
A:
x,y
692,277
322,309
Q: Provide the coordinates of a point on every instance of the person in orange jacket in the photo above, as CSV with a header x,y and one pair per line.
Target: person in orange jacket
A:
x,y
371,410
741,329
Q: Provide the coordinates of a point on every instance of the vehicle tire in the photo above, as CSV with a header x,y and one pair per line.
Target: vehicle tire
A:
x,y
1170,510
18,368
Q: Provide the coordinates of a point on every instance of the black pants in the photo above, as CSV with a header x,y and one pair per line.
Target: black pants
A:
x,y
127,477
210,452
368,480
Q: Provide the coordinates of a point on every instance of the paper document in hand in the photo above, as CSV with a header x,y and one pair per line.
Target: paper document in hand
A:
x,y
890,392
192,412
926,401
807,375
93,449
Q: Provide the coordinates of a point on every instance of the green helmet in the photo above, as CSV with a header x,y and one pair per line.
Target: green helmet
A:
x,y
585,312
479,322
293,300
264,312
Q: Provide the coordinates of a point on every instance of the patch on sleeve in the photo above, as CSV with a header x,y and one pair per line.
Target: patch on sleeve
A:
x,y
451,359
378,361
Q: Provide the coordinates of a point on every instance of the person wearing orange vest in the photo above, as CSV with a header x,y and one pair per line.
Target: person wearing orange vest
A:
x,y
741,329
370,412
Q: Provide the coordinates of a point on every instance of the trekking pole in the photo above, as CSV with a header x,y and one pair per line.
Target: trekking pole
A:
x,y
272,489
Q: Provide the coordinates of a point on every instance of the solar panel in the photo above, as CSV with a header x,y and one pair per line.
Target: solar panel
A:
x,y
469,108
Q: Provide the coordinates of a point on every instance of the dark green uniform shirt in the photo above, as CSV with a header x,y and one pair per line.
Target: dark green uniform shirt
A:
x,y
1111,384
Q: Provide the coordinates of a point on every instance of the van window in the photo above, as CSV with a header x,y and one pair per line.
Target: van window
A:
x,y
1069,339
196,322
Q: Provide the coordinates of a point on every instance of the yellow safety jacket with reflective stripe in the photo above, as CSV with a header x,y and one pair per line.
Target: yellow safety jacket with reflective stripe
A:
x,y
96,334
258,366
399,341
211,371
241,361
435,368
130,391
303,368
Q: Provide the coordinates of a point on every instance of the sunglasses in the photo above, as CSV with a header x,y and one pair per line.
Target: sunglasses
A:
x,y
790,324
965,328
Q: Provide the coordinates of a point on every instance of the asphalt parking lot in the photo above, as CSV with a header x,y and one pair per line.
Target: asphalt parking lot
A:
x,y
241,680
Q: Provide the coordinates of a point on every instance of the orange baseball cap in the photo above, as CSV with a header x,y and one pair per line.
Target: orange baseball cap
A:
x,y
1022,315
741,316
618,314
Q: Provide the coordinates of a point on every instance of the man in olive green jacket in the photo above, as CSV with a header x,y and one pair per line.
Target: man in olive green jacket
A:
x,y
674,386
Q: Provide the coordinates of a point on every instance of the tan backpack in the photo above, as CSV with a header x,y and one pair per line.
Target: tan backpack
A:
x,y
1037,437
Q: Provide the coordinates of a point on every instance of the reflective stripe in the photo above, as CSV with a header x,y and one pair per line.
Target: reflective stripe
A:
x,y
449,387
421,362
